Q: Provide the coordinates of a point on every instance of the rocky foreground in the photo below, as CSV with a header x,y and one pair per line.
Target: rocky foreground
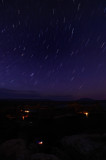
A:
x,y
83,147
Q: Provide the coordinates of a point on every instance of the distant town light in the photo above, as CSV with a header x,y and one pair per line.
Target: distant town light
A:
x,y
86,113
40,142
23,117
26,111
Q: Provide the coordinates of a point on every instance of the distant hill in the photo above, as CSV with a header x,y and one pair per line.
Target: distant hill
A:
x,y
29,94
86,100
18,94
61,98
26,94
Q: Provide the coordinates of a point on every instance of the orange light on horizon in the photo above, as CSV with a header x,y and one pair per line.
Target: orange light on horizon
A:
x,y
40,142
26,111
23,117
86,113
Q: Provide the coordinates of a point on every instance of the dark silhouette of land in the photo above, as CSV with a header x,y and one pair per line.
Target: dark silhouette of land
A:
x,y
48,121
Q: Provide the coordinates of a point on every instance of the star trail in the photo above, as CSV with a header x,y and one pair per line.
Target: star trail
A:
x,y
54,47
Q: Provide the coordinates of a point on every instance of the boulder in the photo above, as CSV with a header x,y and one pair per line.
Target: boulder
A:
x,y
14,148
85,145
42,156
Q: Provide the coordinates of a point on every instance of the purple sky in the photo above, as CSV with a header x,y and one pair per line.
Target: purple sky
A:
x,y
53,47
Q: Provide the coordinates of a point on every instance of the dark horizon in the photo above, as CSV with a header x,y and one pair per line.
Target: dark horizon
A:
x,y
34,95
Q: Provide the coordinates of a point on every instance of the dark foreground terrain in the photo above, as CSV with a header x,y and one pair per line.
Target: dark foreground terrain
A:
x,y
48,130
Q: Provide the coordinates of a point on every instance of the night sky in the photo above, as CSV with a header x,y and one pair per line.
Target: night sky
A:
x,y
53,47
